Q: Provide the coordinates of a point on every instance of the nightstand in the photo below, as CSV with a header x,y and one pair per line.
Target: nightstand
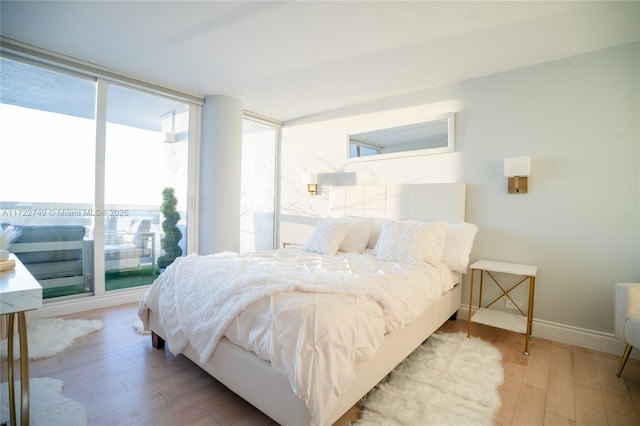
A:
x,y
520,322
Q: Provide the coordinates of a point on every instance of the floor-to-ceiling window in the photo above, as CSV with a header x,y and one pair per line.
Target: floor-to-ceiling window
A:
x,y
86,163
258,185
47,169
86,166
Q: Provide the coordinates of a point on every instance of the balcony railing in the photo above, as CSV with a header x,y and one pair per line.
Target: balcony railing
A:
x,y
57,245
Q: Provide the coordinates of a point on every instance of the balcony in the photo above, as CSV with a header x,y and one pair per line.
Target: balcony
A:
x,y
57,245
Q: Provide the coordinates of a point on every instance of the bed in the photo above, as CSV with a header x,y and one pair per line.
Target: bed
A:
x,y
261,354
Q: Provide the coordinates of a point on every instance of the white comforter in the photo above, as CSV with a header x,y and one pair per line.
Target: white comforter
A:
x,y
311,316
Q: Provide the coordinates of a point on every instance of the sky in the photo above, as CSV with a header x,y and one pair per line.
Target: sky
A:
x,y
49,157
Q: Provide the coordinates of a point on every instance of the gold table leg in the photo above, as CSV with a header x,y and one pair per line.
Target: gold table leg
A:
x,y
529,331
24,369
10,378
470,303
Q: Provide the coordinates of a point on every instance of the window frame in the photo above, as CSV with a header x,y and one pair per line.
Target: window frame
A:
x,y
18,51
102,77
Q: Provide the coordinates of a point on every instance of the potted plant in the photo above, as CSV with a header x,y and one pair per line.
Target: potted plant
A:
x,y
172,234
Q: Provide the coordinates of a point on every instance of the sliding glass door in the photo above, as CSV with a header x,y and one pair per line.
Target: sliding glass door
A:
x,y
258,186
95,175
146,164
47,168
99,175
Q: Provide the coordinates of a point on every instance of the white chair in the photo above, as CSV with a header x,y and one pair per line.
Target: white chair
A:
x,y
133,248
627,318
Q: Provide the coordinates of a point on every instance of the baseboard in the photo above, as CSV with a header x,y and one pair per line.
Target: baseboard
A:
x,y
90,303
584,338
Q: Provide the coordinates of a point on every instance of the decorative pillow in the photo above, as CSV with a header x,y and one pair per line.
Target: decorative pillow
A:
x,y
327,236
457,248
358,234
411,241
376,228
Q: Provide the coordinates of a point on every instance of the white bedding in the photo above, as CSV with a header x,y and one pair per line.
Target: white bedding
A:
x,y
311,316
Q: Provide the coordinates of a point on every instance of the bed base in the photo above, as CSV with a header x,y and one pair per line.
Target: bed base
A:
x,y
269,391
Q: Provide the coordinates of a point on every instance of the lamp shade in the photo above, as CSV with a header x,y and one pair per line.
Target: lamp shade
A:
x,y
517,166
309,178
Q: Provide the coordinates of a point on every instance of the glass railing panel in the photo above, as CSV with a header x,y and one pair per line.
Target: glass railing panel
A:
x,y
131,245
54,243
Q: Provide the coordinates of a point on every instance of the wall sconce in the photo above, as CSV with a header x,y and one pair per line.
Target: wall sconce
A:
x,y
517,169
311,180
168,125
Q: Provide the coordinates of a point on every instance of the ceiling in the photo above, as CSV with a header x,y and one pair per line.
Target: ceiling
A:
x,y
288,60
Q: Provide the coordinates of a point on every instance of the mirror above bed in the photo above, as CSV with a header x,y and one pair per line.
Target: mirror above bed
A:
x,y
432,135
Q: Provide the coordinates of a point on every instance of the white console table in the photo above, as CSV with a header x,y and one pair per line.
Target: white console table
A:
x,y
19,292
521,322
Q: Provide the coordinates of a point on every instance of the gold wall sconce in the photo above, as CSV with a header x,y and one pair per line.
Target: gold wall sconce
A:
x,y
518,170
311,180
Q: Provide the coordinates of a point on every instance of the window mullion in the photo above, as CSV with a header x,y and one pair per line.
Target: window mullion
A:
x,y
193,187
98,221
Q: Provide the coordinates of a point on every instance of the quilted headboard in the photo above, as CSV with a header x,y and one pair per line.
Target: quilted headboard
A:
x,y
443,202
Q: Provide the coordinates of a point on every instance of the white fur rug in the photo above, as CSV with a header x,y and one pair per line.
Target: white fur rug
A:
x,y
50,336
138,327
47,404
451,379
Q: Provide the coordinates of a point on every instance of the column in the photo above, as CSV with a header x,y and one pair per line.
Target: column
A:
x,y
220,163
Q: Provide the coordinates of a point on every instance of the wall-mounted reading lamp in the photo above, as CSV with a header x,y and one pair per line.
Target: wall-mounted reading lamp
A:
x,y
311,180
168,124
517,169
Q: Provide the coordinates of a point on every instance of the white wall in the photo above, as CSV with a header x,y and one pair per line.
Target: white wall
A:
x,y
578,120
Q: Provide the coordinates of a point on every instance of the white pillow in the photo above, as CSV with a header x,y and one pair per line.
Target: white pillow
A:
x,y
327,236
457,248
358,234
376,228
411,241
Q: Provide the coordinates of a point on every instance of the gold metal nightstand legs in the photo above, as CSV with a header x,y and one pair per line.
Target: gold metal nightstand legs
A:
x,y
471,301
24,368
529,333
505,293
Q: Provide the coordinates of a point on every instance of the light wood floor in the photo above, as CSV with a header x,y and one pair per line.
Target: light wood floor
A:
x,y
122,380
560,384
